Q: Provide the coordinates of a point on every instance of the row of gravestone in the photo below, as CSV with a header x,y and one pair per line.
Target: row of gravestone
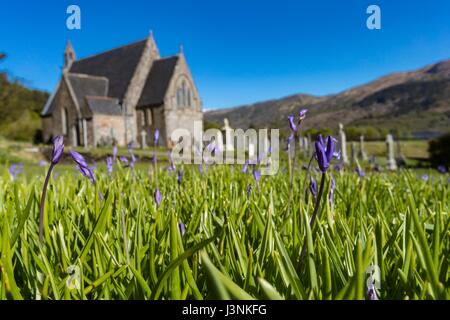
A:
x,y
357,153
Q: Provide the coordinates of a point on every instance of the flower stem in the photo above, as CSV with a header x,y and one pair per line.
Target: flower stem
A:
x,y
315,213
41,213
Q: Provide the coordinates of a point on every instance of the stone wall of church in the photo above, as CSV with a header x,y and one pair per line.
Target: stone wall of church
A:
x,y
155,120
105,128
53,125
183,117
136,86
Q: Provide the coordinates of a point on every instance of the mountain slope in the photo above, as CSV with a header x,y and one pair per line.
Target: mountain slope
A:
x,y
417,101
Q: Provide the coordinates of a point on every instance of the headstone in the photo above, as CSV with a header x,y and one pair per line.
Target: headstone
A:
x,y
305,146
401,159
391,164
343,144
362,152
229,142
354,153
309,144
143,139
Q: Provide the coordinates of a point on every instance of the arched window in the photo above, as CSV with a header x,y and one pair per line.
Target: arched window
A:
x,y
184,95
189,98
65,121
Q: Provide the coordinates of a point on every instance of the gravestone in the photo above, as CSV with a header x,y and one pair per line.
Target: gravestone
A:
x,y
343,144
309,144
362,152
401,159
229,143
354,153
143,139
391,163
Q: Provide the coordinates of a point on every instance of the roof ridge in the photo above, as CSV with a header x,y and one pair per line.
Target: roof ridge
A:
x,y
168,57
101,97
107,51
85,75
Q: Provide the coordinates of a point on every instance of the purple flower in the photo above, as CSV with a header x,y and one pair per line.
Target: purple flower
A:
x,y
182,228
15,169
42,163
292,124
130,146
425,177
58,148
180,177
158,197
114,151
109,165
245,167
78,158
332,186
337,155
87,172
123,159
330,148
82,165
171,164
257,175
313,187
321,156
337,167
302,114
324,154
442,169
289,140
156,137
360,172
371,292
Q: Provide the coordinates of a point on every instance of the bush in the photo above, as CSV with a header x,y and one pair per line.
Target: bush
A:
x,y
439,150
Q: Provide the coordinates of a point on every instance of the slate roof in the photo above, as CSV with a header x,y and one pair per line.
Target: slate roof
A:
x,y
103,105
118,65
86,85
99,83
157,83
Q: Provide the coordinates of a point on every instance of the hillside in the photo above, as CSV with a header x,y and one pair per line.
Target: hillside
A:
x,y
416,101
19,109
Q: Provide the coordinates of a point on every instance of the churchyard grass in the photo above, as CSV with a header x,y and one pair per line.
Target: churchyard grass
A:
x,y
235,245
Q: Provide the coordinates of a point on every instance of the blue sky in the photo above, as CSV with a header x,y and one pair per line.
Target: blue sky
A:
x,y
239,51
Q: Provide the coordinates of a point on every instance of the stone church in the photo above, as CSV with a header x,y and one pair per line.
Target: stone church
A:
x,y
122,96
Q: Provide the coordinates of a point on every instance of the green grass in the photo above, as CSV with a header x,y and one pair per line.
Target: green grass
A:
x,y
235,246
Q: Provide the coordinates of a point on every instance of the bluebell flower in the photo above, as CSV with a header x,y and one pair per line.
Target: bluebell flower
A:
x,y
158,197
332,187
313,187
442,169
182,228
109,165
292,124
360,172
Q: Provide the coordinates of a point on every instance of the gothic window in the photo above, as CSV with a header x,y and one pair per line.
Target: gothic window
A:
x,y
184,95
65,121
188,98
